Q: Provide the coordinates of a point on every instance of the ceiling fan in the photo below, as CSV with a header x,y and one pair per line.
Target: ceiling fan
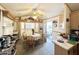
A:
x,y
35,10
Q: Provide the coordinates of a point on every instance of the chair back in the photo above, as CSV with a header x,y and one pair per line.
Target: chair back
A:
x,y
30,40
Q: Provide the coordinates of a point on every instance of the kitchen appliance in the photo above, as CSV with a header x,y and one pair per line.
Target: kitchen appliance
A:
x,y
2,43
5,41
74,35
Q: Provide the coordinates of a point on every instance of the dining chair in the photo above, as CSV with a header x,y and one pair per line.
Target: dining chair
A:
x,y
30,41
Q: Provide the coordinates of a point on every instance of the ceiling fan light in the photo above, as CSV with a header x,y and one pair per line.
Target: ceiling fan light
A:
x,y
35,17
34,13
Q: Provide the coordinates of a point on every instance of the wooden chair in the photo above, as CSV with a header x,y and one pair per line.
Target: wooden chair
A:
x,y
30,41
24,36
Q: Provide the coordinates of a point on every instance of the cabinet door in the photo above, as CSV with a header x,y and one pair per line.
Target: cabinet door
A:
x,y
60,51
75,50
78,49
70,52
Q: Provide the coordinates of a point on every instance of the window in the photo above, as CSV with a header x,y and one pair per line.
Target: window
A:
x,y
29,25
7,26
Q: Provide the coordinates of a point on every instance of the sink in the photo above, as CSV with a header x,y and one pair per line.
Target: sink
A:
x,y
61,41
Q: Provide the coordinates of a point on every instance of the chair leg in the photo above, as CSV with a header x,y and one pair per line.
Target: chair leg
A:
x,y
33,46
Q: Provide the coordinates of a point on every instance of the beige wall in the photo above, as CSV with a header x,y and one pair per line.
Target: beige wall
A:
x,y
2,8
75,20
67,13
61,18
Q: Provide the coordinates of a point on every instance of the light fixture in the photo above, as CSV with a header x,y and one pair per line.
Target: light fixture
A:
x,y
34,13
31,18
35,17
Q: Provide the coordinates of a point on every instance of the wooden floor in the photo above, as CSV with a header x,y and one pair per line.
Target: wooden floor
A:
x,y
46,48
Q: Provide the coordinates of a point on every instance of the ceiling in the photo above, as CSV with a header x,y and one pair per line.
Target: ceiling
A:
x,y
48,9
73,6
20,9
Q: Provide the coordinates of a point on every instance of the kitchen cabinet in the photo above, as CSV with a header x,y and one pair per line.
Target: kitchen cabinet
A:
x,y
60,51
72,51
78,49
74,20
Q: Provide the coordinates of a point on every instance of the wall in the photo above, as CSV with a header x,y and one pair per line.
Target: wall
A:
x,y
1,8
0,24
61,22
75,20
1,31
6,26
61,18
67,13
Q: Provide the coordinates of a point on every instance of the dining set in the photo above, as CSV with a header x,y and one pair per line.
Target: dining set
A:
x,y
33,40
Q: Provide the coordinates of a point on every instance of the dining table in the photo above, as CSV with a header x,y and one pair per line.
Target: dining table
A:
x,y
35,39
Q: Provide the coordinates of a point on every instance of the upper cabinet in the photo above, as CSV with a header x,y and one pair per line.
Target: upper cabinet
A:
x,y
75,20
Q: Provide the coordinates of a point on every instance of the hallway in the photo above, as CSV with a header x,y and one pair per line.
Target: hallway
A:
x,y
46,48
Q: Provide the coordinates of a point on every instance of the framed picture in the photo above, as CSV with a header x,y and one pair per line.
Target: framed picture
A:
x,y
55,23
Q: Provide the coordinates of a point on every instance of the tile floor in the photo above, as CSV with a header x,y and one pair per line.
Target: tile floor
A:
x,y
46,48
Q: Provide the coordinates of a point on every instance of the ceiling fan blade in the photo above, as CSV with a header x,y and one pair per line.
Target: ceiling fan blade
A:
x,y
35,6
22,9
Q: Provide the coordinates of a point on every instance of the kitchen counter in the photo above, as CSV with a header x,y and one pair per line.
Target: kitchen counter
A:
x,y
64,48
64,45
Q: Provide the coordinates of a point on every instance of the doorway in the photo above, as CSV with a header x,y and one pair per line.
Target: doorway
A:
x,y
49,35
49,29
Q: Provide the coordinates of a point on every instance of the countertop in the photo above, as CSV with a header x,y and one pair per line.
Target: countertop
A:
x,y
64,45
